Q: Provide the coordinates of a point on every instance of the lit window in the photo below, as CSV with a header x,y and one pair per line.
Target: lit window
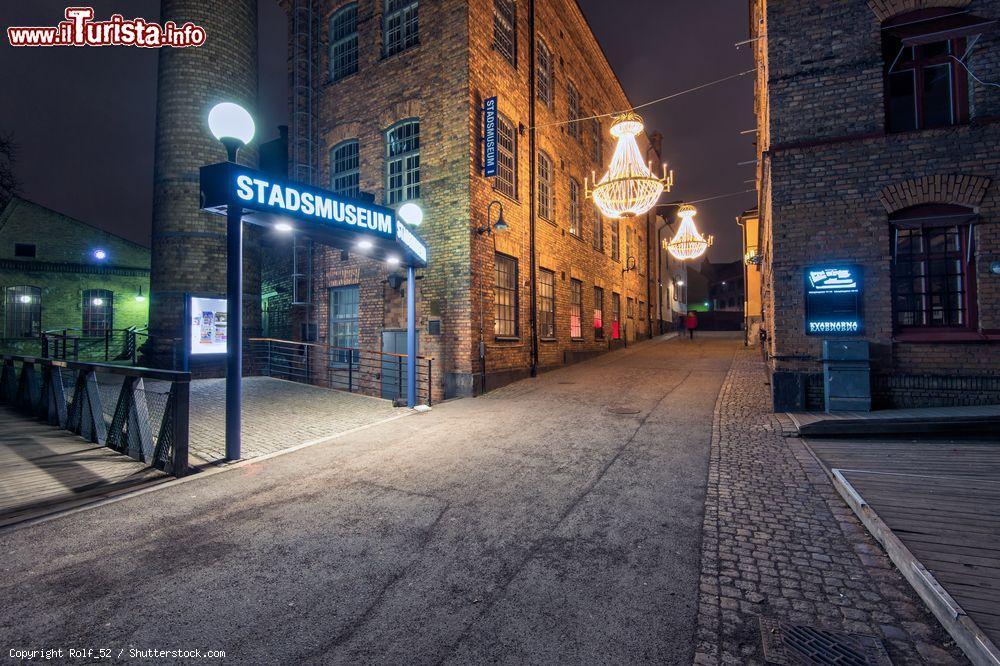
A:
x,y
573,103
402,162
345,169
98,312
546,304
506,178
505,29
343,325
575,309
544,74
575,210
505,296
344,42
23,310
546,187
616,315
598,313
399,26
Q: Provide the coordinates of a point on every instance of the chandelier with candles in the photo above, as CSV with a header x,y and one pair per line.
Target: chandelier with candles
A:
x,y
629,188
687,243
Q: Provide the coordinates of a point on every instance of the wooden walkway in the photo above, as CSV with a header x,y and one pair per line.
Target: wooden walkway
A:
x,y
978,418
44,469
935,506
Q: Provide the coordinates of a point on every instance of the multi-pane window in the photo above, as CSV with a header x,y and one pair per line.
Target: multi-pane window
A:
x,y
925,87
546,187
575,209
399,26
343,335
931,277
597,146
546,304
616,315
628,243
615,251
505,296
505,29
23,312
629,307
506,178
598,230
573,109
544,77
402,143
598,313
98,311
345,169
575,309
344,42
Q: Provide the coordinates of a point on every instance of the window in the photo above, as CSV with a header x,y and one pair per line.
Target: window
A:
x,y
343,333
345,169
24,250
402,143
23,308
505,297
399,26
616,315
629,307
546,187
598,313
932,276
597,146
506,178
575,211
544,75
628,243
575,309
98,312
546,304
598,230
615,251
573,103
925,85
505,29
344,42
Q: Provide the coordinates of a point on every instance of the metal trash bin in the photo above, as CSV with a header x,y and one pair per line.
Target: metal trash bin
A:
x,y
847,376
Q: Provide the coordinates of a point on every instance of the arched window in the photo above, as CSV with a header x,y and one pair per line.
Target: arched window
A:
x,y
400,27
506,179
505,29
933,276
544,74
98,311
23,312
402,145
344,42
345,168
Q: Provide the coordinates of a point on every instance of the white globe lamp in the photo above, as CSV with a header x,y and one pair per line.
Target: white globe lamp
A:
x,y
232,125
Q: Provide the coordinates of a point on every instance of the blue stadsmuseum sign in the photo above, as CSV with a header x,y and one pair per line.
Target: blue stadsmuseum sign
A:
x,y
490,137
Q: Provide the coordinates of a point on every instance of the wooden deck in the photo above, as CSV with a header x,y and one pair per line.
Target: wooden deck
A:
x,y
979,418
935,506
44,469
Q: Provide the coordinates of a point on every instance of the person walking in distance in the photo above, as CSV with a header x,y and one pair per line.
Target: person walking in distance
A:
x,y
691,323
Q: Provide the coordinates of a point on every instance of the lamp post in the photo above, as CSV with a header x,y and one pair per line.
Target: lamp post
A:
x,y
413,215
232,125
499,225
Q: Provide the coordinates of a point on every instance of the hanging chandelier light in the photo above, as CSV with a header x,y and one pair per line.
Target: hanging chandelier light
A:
x,y
629,188
687,243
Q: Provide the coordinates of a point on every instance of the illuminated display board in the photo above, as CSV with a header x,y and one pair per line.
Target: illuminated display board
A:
x,y
207,325
833,298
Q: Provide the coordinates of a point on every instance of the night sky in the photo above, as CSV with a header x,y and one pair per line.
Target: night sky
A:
x,y
84,117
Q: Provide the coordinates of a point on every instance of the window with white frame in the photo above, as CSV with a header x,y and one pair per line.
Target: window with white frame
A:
x,y
98,311
544,76
345,168
399,26
573,104
22,312
575,209
598,313
402,142
505,297
546,187
505,29
506,178
344,42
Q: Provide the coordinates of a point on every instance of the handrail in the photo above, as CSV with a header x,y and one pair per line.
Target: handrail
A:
x,y
335,348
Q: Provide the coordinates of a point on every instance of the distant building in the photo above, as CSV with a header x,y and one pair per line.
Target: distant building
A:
x,y
879,193
725,285
671,275
58,273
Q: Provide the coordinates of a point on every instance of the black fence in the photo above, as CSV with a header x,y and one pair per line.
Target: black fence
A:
x,y
117,345
141,412
373,373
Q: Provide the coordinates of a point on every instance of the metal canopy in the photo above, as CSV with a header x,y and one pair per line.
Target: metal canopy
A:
x,y
362,226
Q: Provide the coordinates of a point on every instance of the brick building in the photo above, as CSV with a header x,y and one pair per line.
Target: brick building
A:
x,y
397,108
878,149
57,273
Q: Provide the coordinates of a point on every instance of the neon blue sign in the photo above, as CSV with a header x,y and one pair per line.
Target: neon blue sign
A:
x,y
833,300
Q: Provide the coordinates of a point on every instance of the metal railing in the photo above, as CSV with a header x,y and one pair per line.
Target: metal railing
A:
x,y
114,345
141,412
365,371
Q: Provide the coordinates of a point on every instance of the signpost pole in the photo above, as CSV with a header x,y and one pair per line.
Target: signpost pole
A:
x,y
234,327
411,338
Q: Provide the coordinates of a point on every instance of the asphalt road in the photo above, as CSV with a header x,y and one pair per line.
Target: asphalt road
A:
x,y
530,526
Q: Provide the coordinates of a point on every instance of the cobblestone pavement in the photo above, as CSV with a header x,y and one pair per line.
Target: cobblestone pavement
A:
x,y
277,414
779,542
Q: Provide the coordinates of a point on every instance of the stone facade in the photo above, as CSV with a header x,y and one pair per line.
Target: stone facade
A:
x,y
442,82
831,173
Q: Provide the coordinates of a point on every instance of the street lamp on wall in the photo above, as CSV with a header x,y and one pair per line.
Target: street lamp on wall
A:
x,y
499,225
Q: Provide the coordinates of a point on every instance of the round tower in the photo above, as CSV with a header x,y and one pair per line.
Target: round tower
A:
x,y
189,246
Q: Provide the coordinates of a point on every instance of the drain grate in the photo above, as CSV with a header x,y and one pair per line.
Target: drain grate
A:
x,y
614,409
800,645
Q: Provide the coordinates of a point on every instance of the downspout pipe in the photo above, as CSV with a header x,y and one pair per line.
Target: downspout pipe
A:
x,y
532,158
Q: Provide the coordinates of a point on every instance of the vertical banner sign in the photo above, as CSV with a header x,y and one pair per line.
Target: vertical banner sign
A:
x,y
833,297
490,137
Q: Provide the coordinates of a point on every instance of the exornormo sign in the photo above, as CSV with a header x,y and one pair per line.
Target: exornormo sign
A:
x,y
321,214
